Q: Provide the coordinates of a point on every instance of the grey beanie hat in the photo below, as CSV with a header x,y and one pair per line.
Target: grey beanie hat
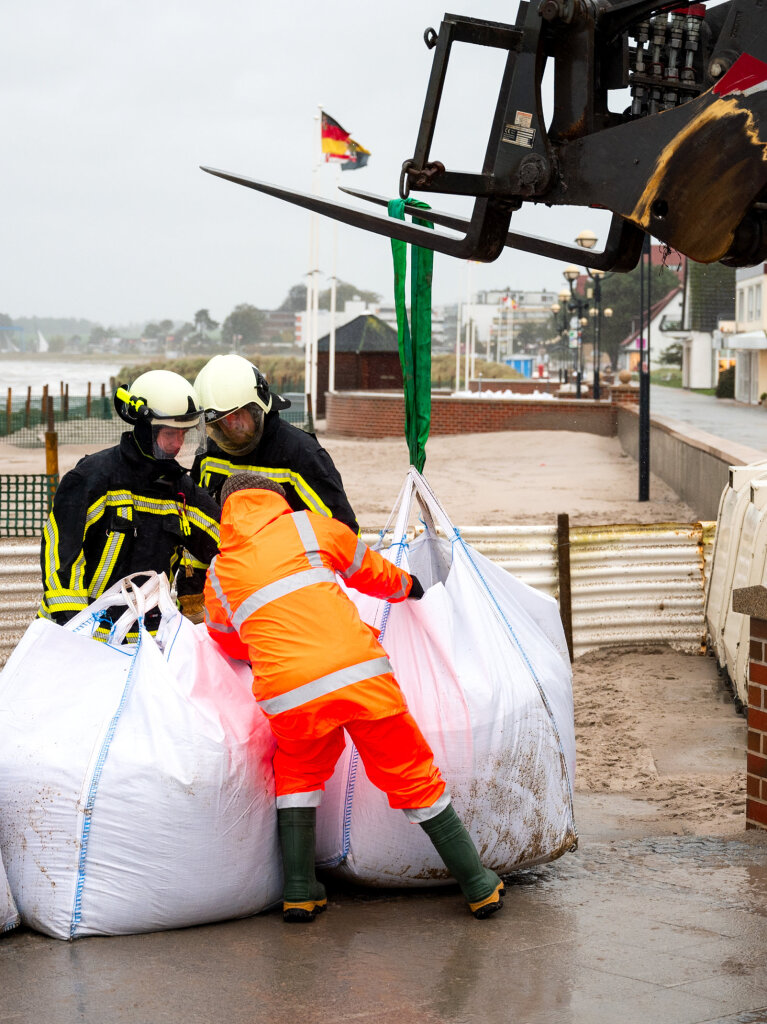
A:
x,y
249,482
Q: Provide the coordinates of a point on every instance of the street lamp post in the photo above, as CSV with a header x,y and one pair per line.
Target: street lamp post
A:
x,y
562,324
587,240
579,307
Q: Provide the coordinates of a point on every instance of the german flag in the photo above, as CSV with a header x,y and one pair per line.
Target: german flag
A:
x,y
356,156
334,139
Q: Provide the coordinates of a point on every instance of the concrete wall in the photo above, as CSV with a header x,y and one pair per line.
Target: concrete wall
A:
x,y
694,464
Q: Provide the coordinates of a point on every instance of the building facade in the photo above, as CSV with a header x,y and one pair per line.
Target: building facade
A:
x,y
750,338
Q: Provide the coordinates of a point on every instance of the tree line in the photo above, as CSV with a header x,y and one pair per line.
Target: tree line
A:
x,y
244,327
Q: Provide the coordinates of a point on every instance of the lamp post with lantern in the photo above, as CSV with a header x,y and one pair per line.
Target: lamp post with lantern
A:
x,y
562,325
587,240
578,306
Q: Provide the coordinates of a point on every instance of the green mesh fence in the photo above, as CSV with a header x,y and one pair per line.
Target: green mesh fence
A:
x,y
76,421
24,503
32,414
98,433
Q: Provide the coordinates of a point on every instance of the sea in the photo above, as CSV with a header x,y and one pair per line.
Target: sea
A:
x,y
21,372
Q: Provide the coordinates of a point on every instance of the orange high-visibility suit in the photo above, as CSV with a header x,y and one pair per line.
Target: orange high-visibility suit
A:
x,y
272,598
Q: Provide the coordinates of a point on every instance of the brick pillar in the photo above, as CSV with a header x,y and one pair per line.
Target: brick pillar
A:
x,y
752,601
624,394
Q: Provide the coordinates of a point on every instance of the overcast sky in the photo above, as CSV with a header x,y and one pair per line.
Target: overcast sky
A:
x,y
110,108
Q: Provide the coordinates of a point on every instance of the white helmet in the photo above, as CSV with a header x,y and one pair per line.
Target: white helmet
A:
x,y
162,396
230,383
162,399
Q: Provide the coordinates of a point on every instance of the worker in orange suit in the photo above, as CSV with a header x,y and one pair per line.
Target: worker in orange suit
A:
x,y
272,598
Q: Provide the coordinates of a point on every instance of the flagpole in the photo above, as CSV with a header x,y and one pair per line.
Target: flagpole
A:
x,y
315,263
307,331
458,332
332,339
468,324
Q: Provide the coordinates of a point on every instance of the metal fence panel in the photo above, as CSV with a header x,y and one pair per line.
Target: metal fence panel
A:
x,y
20,590
639,584
630,584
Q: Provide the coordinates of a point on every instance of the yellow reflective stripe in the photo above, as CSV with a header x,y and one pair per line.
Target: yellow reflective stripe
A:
x,y
106,564
65,602
161,506
97,509
203,522
68,594
77,576
50,546
195,563
282,476
156,506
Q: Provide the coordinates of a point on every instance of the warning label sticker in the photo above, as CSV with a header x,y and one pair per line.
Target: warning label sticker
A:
x,y
519,136
523,120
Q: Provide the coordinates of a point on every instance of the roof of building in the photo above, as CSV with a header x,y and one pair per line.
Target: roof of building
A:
x,y
655,310
366,333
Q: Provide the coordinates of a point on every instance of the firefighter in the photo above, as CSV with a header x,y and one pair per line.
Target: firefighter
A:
x,y
246,434
272,598
133,507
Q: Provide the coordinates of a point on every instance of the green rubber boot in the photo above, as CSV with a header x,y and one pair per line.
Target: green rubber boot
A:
x,y
303,897
482,888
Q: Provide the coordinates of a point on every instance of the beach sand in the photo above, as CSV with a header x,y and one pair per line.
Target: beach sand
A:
x,y
661,747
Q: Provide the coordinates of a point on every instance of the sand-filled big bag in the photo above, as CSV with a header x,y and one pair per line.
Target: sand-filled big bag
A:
x,y
482,660
136,786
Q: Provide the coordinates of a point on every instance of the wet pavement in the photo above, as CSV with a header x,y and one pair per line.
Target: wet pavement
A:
x,y
631,927
722,417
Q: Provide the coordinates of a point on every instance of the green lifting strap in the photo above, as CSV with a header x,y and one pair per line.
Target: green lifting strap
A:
x,y
415,347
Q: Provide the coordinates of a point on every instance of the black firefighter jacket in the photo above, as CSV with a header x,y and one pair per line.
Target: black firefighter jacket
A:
x,y
118,513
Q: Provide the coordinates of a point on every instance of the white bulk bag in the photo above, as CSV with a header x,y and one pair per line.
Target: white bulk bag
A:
x,y
136,785
482,660
9,915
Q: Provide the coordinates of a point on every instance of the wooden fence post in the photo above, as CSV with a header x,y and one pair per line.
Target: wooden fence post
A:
x,y
51,445
28,407
563,563
88,402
